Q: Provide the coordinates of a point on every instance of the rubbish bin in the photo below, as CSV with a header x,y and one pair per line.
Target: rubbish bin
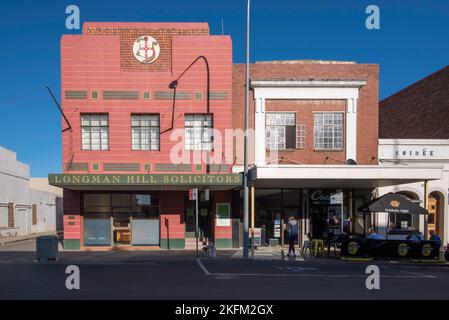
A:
x,y
46,248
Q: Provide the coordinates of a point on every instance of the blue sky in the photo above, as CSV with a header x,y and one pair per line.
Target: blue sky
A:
x,y
412,43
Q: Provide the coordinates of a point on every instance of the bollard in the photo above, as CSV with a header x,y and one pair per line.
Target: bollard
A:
x,y
282,254
441,257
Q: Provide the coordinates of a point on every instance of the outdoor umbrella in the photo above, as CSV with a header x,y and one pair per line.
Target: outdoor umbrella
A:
x,y
393,203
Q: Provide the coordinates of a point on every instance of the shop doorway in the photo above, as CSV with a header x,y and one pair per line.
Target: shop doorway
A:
x,y
435,208
204,218
326,216
121,226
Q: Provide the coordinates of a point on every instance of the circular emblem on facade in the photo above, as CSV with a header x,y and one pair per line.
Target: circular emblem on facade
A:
x,y
146,49
426,250
353,248
403,249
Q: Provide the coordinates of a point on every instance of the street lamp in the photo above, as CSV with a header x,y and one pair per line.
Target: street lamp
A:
x,y
246,147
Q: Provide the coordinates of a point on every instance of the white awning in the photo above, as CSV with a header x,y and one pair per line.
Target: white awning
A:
x,y
339,176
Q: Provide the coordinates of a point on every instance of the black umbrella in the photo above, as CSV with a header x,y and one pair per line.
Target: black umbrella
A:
x,y
393,203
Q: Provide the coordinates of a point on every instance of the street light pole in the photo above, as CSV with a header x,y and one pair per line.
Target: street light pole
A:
x,y
246,147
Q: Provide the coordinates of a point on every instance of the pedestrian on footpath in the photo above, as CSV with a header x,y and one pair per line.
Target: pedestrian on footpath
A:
x,y
292,234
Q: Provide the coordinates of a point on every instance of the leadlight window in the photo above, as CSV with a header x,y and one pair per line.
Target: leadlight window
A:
x,y
95,131
328,131
198,132
145,132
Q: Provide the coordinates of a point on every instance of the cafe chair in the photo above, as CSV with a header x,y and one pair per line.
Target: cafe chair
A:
x,y
307,245
318,247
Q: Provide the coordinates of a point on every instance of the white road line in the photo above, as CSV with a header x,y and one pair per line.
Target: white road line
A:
x,y
418,274
309,275
422,275
412,275
206,272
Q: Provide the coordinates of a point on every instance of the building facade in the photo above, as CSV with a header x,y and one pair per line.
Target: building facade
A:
x,y
414,132
27,206
315,136
129,92
152,111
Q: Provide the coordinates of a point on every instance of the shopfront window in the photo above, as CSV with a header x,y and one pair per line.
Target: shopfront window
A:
x,y
326,214
133,217
145,205
273,207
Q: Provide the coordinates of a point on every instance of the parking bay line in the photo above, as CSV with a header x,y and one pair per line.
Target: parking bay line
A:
x,y
208,273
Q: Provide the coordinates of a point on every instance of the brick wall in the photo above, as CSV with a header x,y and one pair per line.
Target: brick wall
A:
x,y
162,33
419,111
73,227
172,233
304,116
97,61
367,113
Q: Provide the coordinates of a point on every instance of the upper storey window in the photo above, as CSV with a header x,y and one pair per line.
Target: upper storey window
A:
x,y
198,132
95,131
281,130
328,131
145,131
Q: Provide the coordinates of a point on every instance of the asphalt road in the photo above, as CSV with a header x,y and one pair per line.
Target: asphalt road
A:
x,y
179,275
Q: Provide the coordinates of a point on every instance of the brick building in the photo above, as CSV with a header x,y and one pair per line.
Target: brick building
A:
x,y
413,130
148,107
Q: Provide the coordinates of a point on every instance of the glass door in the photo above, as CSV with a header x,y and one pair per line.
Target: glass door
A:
x,y
121,226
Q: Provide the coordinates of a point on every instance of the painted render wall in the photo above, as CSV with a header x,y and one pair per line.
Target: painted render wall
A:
x,y
18,188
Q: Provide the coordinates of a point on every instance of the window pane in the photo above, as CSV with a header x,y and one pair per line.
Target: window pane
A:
x,y
85,120
95,120
328,130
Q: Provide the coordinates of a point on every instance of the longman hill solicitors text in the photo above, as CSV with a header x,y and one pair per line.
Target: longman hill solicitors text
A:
x,y
145,179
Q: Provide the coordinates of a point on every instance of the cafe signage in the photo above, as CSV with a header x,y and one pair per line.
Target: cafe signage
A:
x,y
145,179
413,152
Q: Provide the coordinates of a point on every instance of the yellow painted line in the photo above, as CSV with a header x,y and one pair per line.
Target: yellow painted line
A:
x,y
357,259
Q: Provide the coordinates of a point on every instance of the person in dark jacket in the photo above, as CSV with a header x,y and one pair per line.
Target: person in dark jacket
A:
x,y
292,234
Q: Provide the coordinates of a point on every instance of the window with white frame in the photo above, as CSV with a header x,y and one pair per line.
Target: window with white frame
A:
x,y
280,130
328,131
145,131
95,131
198,132
300,136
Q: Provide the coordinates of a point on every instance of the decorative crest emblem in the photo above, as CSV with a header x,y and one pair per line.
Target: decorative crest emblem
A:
x,y
146,49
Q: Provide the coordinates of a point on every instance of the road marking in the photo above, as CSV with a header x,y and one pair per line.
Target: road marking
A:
x,y
418,274
206,272
412,275
308,275
422,275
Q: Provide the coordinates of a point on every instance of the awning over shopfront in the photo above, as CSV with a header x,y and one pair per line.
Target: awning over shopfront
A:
x,y
393,203
339,176
108,182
